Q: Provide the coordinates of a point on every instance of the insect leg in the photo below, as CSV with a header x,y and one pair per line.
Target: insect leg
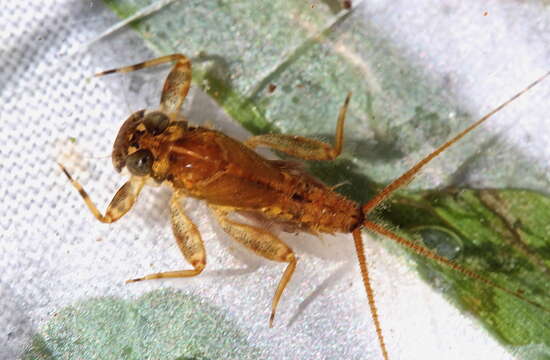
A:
x,y
122,202
177,83
189,241
302,147
264,244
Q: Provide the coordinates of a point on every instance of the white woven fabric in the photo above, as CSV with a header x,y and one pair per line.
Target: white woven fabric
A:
x,y
53,252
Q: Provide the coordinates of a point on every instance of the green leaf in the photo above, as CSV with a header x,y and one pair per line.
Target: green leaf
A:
x,y
499,234
278,66
163,324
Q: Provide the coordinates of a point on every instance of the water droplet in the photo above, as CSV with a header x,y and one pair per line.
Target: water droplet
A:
x,y
444,242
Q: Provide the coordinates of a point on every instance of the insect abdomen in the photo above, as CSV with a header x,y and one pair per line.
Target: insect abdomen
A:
x,y
317,207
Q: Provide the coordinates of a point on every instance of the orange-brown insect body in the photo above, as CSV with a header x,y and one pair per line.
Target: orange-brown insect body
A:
x,y
231,177
212,166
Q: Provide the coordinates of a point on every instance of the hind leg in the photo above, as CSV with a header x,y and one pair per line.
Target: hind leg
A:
x,y
302,147
264,244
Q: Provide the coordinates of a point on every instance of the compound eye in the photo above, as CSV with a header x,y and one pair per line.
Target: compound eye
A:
x,y
140,162
156,122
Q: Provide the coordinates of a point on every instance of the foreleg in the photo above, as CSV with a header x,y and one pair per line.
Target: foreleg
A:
x,y
177,83
122,202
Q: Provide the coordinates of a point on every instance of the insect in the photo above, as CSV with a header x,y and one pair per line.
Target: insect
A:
x,y
162,147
